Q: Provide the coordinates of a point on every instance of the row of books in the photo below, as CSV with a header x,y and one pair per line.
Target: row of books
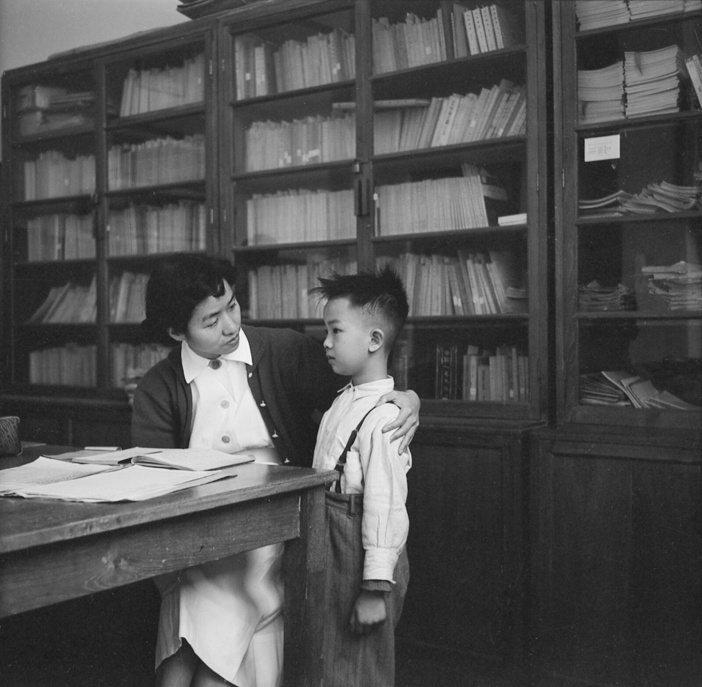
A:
x,y
469,283
498,375
130,361
60,237
69,303
282,291
263,68
74,303
412,43
53,175
448,204
455,31
492,113
300,215
156,161
69,365
152,89
145,229
312,140
482,29
644,83
676,287
596,14
623,388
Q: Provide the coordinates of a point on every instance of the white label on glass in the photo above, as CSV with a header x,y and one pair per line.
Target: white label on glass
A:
x,y
602,148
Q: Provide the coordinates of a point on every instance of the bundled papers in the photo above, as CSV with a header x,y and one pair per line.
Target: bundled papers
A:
x,y
676,287
652,81
601,93
593,297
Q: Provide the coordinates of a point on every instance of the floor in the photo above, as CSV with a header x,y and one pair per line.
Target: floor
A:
x,y
79,644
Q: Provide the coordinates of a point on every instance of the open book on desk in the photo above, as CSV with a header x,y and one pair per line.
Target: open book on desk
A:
x,y
68,481
174,458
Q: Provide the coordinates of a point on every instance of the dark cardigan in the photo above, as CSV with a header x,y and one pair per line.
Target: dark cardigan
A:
x,y
291,381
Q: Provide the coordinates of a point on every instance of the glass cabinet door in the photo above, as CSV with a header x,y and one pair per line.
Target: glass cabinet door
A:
x,y
631,304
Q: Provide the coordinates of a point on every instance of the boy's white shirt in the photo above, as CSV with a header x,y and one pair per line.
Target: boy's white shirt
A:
x,y
373,468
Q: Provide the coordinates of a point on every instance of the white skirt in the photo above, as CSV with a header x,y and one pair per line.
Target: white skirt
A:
x,y
230,612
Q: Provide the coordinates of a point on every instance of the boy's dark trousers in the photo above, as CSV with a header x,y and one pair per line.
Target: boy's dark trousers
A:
x,y
352,660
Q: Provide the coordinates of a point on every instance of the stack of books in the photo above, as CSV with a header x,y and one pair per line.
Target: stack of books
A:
x,y
601,93
594,297
51,108
677,287
597,390
597,14
652,81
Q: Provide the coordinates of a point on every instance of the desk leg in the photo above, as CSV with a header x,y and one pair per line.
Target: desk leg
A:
x,y
305,568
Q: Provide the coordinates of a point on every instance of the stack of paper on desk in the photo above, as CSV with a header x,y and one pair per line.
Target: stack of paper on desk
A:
x,y
69,481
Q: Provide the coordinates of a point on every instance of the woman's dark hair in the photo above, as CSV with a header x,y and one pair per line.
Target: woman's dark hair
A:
x,y
177,285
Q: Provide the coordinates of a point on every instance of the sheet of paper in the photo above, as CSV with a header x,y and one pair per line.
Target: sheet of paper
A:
x,y
43,471
131,483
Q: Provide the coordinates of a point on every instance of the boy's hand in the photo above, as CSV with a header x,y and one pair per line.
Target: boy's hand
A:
x,y
369,611
407,421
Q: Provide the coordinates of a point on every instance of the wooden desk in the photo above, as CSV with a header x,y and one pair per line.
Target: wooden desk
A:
x,y
52,551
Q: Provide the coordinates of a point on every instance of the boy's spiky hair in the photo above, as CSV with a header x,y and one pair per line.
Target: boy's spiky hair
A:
x,y
378,292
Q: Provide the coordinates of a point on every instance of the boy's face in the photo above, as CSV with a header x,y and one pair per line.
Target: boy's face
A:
x,y
214,326
349,338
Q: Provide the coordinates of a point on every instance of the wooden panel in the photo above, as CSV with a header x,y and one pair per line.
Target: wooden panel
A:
x,y
465,546
617,567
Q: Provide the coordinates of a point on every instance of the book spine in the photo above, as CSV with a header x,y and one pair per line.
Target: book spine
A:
x,y
487,26
694,68
480,29
471,33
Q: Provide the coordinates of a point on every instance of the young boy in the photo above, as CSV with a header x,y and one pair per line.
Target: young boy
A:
x,y
367,565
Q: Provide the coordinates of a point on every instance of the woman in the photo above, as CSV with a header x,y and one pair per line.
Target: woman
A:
x,y
230,387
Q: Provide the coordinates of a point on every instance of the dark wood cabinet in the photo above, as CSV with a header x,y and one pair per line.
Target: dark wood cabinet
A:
x,y
467,508
616,559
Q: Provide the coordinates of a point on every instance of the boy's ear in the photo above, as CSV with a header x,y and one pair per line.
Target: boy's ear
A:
x,y
174,335
377,338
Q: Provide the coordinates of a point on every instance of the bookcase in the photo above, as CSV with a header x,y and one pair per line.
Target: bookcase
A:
x,y
628,210
108,165
359,133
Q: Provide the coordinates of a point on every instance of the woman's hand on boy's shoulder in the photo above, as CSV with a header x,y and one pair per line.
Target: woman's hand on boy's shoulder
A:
x,y
406,423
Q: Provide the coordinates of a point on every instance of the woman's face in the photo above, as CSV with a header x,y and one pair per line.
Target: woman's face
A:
x,y
214,326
